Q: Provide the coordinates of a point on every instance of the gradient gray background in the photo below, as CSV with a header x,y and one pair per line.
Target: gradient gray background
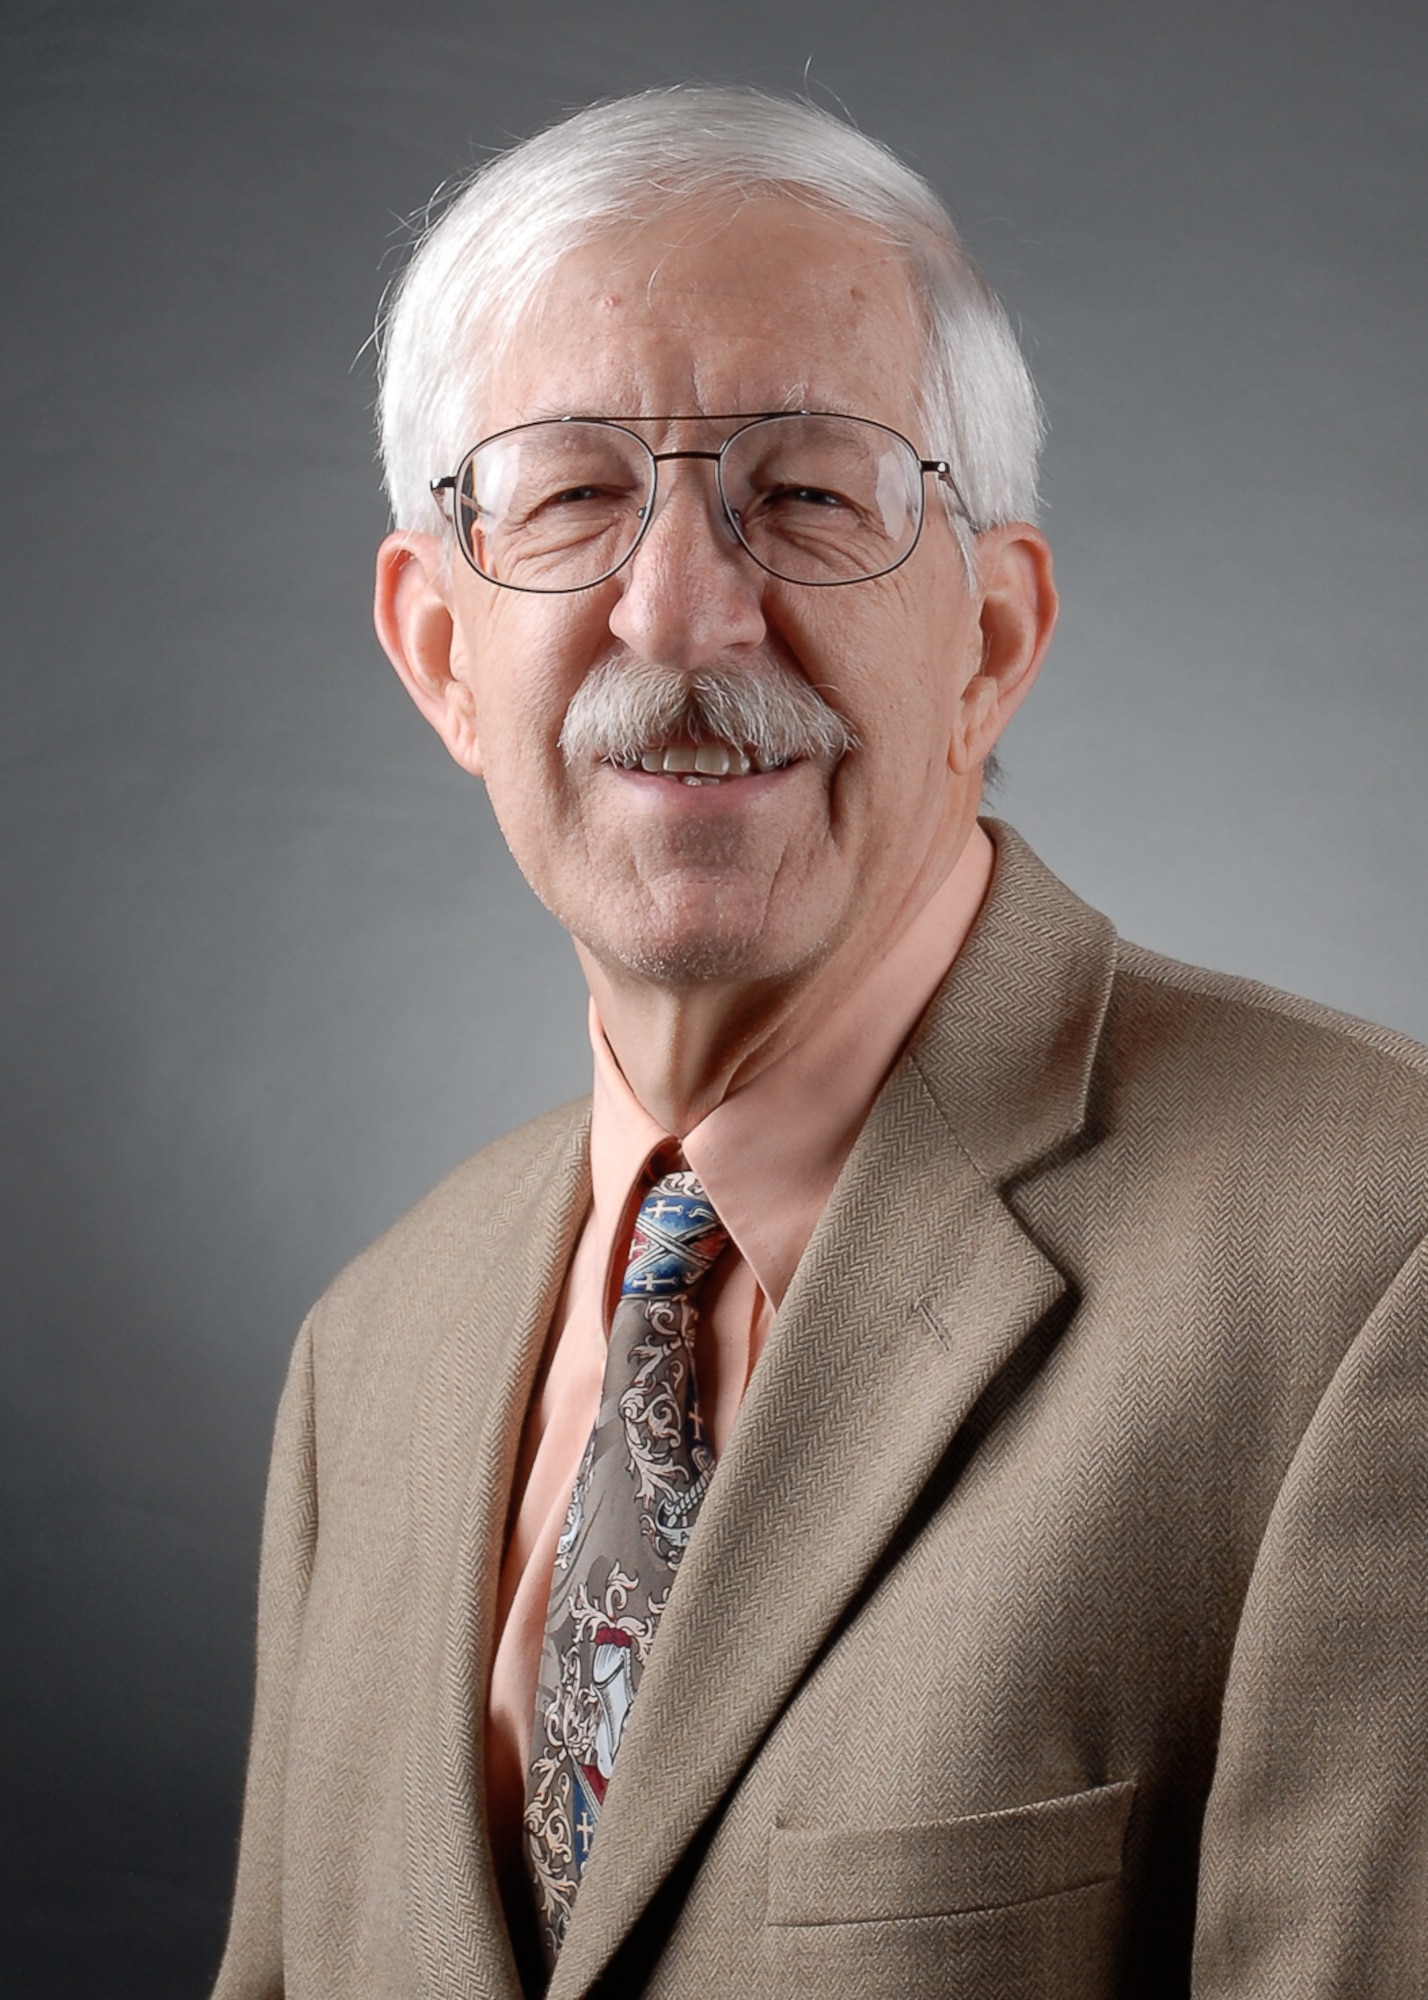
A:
x,y
268,970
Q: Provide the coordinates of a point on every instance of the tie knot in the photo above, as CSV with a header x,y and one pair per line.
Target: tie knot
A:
x,y
676,1238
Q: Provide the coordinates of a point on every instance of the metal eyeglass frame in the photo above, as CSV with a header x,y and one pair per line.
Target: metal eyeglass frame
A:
x,y
450,483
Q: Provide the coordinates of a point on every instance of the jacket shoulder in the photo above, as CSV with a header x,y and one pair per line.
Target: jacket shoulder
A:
x,y
1234,1035
433,1259
1051,1030
1296,1109
1251,1009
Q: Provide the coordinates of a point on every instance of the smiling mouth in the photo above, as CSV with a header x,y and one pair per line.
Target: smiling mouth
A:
x,y
702,763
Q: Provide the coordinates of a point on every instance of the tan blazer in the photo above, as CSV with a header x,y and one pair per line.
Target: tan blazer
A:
x,y
1060,1607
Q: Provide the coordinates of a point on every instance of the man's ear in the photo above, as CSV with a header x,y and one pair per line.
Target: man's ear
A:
x,y
412,613
1017,618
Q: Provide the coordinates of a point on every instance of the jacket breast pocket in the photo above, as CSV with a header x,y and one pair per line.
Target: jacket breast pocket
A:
x,y
1019,1903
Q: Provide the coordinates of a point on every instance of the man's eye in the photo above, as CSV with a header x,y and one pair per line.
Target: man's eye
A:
x,y
588,500
568,496
802,496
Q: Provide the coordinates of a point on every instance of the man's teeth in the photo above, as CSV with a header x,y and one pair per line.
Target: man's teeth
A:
x,y
704,760
710,760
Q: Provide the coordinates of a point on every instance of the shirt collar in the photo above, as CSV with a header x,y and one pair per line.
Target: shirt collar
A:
x,y
770,1153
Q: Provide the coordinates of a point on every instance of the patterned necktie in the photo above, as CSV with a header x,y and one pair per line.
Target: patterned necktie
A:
x,y
638,1491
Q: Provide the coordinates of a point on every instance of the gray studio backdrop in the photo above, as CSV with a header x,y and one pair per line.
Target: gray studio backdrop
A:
x,y
268,970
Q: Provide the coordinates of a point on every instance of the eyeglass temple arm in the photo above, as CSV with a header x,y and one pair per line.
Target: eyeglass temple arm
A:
x,y
943,468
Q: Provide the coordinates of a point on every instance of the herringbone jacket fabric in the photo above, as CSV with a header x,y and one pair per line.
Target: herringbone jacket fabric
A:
x,y
1057,1622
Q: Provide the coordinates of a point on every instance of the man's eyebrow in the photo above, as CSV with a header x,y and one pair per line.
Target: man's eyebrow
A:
x,y
549,413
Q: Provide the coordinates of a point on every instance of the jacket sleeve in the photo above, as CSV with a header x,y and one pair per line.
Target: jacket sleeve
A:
x,y
252,1967
1314,1866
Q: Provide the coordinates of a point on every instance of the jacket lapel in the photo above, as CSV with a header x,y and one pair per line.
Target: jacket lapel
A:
x,y
917,1288
472,1410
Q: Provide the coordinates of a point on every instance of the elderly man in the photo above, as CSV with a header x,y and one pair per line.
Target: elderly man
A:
x,y
920,1488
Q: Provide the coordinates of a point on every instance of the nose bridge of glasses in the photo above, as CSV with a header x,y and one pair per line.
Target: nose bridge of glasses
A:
x,y
715,503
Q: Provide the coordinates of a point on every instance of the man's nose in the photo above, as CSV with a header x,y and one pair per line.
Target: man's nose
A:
x,y
691,592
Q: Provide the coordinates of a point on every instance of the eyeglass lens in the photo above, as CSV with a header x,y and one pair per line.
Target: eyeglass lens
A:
x,y
815,499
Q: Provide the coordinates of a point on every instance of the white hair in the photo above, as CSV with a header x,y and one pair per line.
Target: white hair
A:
x,y
496,240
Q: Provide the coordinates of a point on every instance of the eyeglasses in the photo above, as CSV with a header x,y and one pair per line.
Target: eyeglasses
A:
x,y
814,498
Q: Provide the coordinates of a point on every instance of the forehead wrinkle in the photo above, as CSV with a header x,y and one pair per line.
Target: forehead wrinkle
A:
x,y
717,401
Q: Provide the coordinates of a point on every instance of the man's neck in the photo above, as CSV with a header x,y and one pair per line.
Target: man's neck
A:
x,y
683,1047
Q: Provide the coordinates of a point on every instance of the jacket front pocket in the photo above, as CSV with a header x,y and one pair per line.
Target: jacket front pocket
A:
x,y
985,1861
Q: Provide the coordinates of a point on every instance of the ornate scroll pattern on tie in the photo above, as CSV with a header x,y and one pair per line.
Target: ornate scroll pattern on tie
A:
x,y
637,1495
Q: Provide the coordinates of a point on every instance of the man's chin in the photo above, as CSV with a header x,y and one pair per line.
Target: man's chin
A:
x,y
691,955
685,961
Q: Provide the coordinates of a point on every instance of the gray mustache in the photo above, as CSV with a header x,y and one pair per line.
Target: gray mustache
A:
x,y
629,706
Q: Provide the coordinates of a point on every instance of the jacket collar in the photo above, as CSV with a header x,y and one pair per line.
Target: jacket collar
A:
x,y
1008,1047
